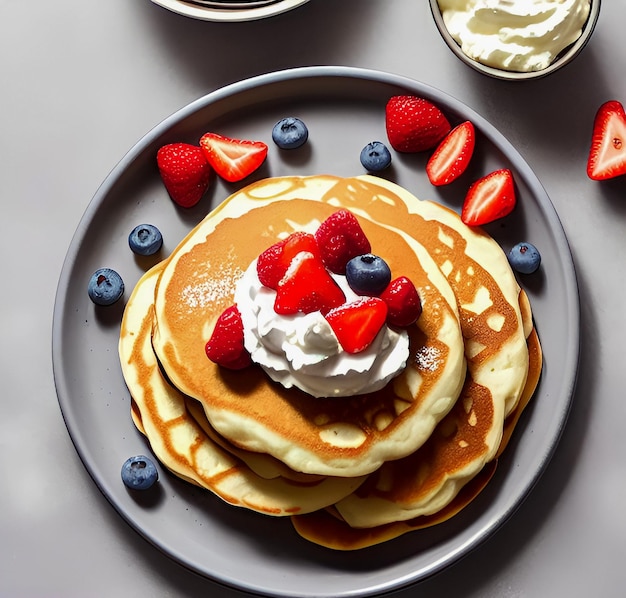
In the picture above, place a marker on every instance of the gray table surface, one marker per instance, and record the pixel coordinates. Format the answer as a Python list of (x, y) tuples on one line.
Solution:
[(83, 81)]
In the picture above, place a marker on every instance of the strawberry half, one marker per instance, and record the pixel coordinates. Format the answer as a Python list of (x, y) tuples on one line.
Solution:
[(489, 198), (272, 264), (307, 287), (356, 324), (340, 238), (414, 124), (185, 172), (607, 156), (452, 155), (403, 302), (233, 159), (225, 347)]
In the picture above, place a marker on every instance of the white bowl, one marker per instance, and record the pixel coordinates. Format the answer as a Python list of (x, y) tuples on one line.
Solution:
[(211, 13), (564, 58)]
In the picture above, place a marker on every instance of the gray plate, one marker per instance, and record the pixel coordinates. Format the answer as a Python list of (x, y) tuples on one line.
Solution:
[(344, 109)]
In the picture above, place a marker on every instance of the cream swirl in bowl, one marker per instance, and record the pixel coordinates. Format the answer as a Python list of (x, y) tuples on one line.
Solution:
[(301, 350), (516, 39)]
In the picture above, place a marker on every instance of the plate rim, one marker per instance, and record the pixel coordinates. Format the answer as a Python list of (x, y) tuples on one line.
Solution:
[(523, 169)]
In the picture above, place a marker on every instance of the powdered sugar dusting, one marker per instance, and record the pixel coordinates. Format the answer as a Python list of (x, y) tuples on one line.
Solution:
[(215, 288), (429, 358)]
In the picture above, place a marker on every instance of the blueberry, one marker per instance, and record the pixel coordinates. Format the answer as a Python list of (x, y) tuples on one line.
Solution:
[(105, 286), (524, 258), (145, 239), (139, 473), (368, 274), (290, 133), (375, 156)]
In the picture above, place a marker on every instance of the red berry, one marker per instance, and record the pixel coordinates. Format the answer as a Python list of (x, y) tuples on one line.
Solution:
[(414, 124), (403, 302), (225, 347), (307, 287), (272, 264), (607, 155), (185, 172), (452, 156), (340, 238), (356, 324), (233, 159), (490, 198)]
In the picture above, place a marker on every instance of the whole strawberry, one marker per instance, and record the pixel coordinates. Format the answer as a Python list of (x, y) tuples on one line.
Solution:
[(403, 302), (414, 124), (340, 238), (225, 347), (185, 172)]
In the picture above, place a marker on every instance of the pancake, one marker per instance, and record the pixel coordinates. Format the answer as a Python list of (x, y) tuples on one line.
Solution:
[(182, 445), (262, 464), (428, 480), (535, 364), (329, 529), (350, 471), (348, 436)]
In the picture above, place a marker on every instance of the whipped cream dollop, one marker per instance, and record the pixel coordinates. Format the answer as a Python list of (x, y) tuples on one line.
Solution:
[(302, 350), (515, 35)]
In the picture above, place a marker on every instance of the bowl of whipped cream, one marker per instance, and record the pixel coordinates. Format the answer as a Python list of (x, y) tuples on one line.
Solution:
[(516, 39)]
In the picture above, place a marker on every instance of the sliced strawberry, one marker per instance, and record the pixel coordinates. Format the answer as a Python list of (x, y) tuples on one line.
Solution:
[(414, 124), (357, 323), (340, 238), (225, 347), (452, 155), (307, 287), (607, 156), (489, 198), (403, 302), (185, 172), (272, 264), (233, 159)]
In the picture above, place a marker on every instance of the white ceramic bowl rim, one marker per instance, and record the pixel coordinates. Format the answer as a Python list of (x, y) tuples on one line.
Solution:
[(206, 13)]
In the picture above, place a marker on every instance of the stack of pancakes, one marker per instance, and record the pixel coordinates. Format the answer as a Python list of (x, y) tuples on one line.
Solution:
[(351, 471)]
